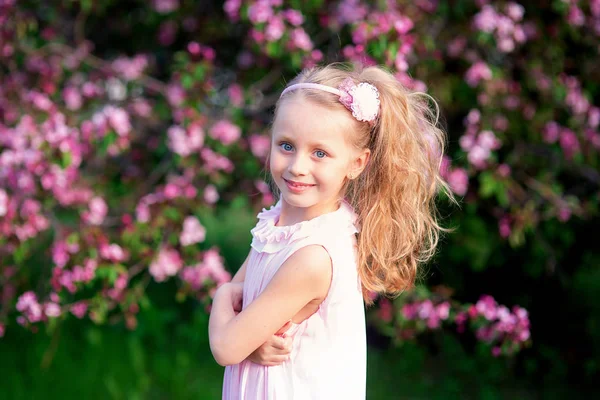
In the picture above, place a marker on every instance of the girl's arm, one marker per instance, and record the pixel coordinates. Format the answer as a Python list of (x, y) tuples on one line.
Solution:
[(305, 276)]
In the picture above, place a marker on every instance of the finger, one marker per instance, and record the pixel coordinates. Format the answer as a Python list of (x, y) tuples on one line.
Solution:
[(276, 360), (279, 342)]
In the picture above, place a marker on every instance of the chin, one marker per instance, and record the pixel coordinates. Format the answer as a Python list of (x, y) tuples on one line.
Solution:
[(299, 201)]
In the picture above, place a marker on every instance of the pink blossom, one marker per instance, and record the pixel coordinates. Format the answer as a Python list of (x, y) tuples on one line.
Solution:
[(456, 46), (215, 161), (569, 142), (236, 95), (225, 131), (79, 309), (72, 97), (141, 107), (515, 11), (478, 72), (167, 263), (171, 191), (503, 170), (118, 119), (210, 194), (232, 9), (403, 24), (259, 145), (551, 132), (185, 142), (350, 11), (3, 202), (478, 155), (52, 310), (443, 310), (214, 264), (473, 117), (458, 181), (564, 214), (594, 116), (487, 307), (488, 140), (576, 17), (113, 252), (386, 311), (193, 231), (275, 29), (130, 68), (97, 212), (165, 6), (2, 330), (467, 141), (299, 39), (260, 12), (486, 19), (504, 227), (175, 95), (409, 311), (294, 17)]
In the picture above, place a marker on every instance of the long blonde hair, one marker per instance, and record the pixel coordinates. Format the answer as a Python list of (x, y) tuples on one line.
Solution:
[(394, 197)]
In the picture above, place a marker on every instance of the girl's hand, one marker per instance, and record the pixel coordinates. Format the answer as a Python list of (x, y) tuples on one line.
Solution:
[(236, 290), (274, 351)]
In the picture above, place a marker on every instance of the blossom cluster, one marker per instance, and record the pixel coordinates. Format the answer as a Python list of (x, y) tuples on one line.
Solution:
[(505, 331)]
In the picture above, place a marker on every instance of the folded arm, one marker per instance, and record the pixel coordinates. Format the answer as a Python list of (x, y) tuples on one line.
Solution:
[(303, 277)]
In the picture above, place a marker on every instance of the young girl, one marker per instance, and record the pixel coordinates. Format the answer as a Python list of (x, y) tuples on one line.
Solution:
[(356, 159)]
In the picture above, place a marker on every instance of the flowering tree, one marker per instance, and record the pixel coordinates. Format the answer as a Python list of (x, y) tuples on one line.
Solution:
[(121, 126)]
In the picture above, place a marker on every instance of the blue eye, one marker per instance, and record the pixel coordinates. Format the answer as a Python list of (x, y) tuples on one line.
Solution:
[(320, 154), (286, 146)]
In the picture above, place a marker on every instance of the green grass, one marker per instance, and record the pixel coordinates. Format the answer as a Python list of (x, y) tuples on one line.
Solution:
[(168, 357)]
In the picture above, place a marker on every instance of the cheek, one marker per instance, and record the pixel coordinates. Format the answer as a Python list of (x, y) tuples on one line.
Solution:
[(276, 162)]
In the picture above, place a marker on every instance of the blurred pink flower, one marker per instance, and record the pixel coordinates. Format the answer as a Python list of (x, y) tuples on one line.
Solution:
[(458, 181), (72, 97), (97, 212), (232, 9), (260, 12), (79, 309), (210, 194), (193, 231), (165, 6), (167, 263), (175, 95), (236, 94), (259, 145), (294, 17), (226, 132), (477, 72), (275, 29), (130, 68), (299, 39)]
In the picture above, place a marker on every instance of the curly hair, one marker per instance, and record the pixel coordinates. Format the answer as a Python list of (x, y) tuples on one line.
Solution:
[(394, 197)]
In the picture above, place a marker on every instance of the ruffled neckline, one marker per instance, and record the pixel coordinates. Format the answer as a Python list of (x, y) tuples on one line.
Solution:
[(269, 238)]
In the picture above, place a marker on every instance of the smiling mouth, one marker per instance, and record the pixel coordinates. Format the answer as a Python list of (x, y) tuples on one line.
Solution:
[(298, 184)]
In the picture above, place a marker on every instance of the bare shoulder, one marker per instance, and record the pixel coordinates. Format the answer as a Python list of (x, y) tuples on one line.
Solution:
[(308, 267)]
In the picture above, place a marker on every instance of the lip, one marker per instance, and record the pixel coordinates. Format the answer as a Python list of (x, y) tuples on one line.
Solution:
[(297, 187)]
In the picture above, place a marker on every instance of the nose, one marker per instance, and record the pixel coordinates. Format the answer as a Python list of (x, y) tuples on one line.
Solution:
[(298, 165)]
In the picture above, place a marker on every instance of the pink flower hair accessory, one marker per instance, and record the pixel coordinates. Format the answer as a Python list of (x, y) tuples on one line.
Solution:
[(362, 99)]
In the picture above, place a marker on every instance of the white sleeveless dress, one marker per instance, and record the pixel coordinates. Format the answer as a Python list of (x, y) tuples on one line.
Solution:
[(328, 359)]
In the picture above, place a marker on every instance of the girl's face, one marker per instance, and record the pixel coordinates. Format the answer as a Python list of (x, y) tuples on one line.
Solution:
[(311, 155)]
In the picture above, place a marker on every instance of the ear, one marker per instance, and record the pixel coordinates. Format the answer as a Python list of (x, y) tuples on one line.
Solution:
[(359, 163)]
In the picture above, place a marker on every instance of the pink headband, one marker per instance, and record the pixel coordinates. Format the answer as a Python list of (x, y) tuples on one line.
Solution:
[(361, 99)]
